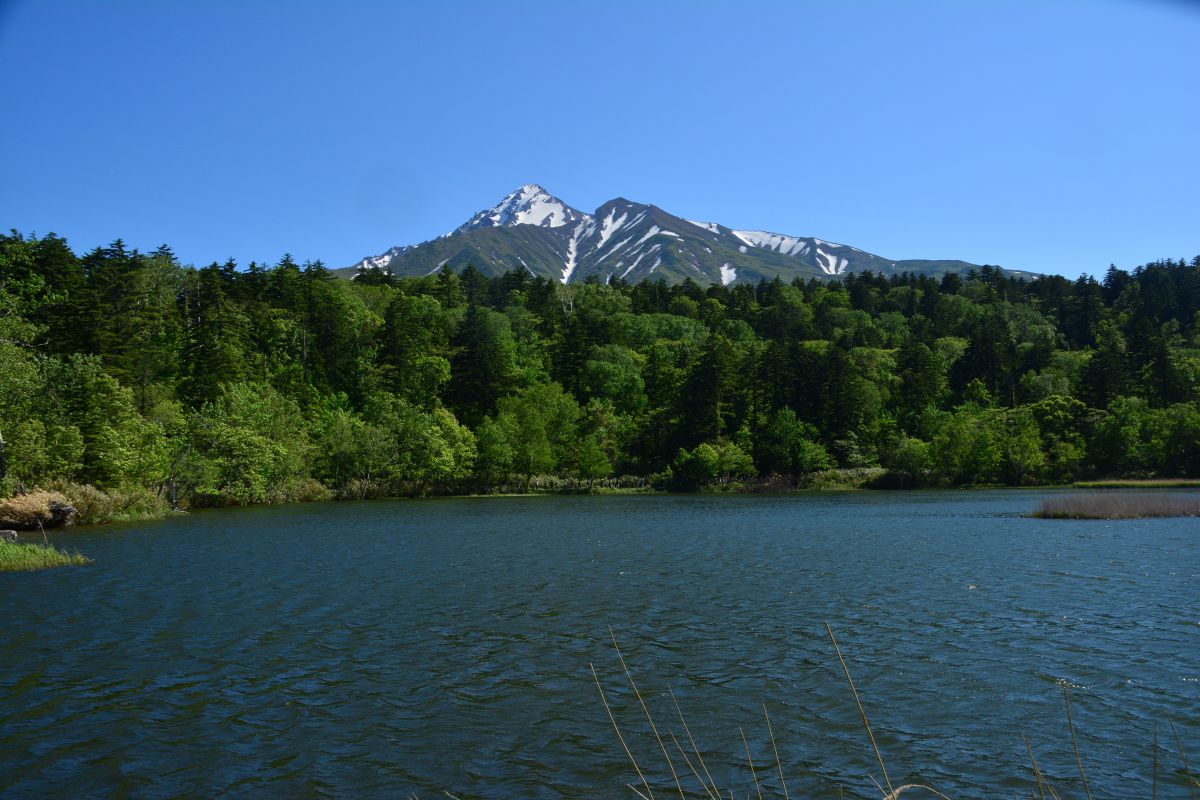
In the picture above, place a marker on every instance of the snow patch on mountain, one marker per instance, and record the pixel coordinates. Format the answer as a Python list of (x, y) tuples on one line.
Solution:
[(615, 248), (728, 274), (529, 205), (780, 243), (572, 252), (654, 229), (633, 266), (609, 226), (830, 263), (381, 261)]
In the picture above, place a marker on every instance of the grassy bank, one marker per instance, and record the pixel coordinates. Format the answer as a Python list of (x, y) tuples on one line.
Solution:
[(1143, 483), (1121, 505), (22, 557)]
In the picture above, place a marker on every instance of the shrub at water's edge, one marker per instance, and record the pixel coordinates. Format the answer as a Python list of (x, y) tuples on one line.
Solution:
[(21, 557), (65, 503), (1123, 505), (36, 509), (123, 504)]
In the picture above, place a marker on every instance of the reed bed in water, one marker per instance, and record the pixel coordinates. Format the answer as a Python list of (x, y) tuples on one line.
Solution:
[(22, 557), (1119, 505), (688, 770), (1140, 483)]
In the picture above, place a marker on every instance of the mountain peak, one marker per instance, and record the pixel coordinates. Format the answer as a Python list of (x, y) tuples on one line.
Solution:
[(527, 205), (623, 240)]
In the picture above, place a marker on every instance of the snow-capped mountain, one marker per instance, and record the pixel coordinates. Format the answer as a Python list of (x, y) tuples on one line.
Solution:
[(531, 229), (382, 260), (529, 205)]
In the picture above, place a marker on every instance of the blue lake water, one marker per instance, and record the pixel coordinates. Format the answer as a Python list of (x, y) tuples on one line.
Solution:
[(382, 649)]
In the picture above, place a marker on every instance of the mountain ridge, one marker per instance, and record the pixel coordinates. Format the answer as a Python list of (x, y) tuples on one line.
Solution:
[(625, 240)]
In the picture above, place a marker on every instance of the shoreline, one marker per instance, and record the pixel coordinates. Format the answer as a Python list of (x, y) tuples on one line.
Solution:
[(824, 486)]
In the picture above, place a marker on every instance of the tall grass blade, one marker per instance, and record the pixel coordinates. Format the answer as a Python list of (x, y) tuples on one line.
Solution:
[(692, 741), (778, 762), (861, 711), (691, 766), (1037, 773), (753, 776), (1075, 744), (1154, 784), (621, 738), (646, 711), (1186, 770)]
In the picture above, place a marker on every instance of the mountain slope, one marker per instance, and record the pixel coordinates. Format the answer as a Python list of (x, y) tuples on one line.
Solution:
[(531, 229)]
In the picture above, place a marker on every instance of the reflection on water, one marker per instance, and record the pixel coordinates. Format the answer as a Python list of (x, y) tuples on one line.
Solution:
[(377, 649)]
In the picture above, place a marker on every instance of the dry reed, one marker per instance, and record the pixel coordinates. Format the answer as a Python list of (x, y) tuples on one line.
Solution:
[(1192, 783), (1075, 745), (1119, 505), (26, 511), (707, 784), (1042, 786), (1140, 483)]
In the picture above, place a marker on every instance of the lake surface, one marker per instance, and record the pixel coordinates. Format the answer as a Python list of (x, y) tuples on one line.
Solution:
[(378, 649)]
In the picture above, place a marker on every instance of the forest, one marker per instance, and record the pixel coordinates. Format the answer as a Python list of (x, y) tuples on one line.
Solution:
[(130, 375)]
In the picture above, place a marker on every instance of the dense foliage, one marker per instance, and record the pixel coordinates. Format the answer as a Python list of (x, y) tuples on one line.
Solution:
[(125, 370)]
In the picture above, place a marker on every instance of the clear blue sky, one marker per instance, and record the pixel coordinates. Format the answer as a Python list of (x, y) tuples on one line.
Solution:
[(1052, 135)]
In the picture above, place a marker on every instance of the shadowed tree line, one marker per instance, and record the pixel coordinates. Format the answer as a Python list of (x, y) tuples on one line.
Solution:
[(131, 371)]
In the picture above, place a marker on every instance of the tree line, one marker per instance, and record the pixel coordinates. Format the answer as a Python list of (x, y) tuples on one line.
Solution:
[(131, 371)]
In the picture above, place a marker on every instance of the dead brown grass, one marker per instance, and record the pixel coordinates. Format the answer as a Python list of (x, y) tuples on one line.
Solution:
[(24, 512)]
